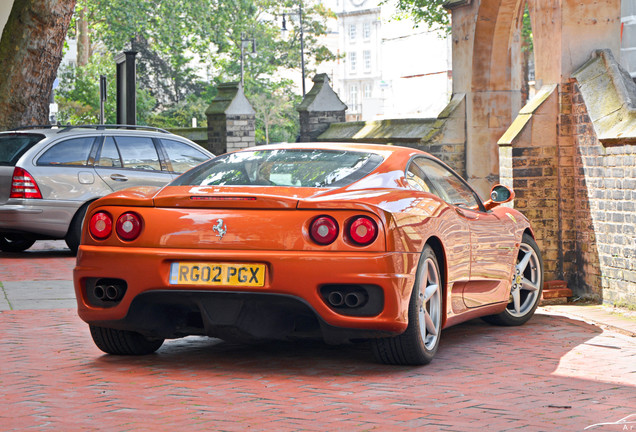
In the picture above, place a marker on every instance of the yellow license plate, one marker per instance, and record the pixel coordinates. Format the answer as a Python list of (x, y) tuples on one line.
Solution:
[(222, 274)]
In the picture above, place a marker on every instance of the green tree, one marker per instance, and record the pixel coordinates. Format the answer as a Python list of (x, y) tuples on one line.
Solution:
[(187, 47), (78, 93), (275, 114), (172, 36), (429, 12), (30, 53)]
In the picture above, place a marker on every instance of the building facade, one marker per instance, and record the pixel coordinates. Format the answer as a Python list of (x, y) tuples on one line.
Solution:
[(386, 67)]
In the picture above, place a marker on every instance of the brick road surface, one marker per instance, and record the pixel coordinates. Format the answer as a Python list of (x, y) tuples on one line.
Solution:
[(554, 374)]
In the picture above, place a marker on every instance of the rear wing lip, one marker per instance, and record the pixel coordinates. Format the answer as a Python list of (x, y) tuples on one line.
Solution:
[(233, 201)]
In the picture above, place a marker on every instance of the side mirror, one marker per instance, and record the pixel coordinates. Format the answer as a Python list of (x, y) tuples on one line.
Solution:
[(499, 194)]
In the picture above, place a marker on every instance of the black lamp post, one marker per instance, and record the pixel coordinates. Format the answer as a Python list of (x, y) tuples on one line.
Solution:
[(246, 41), (302, 41)]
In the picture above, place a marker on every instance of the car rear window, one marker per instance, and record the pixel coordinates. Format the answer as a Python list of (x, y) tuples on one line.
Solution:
[(182, 156), (14, 145), (138, 153), (72, 152), (283, 167)]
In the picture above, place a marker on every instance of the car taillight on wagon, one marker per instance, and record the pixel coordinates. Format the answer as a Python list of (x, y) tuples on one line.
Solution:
[(128, 226), (23, 185), (324, 230), (363, 230), (100, 225)]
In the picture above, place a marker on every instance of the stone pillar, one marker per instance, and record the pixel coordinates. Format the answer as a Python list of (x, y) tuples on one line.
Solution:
[(538, 152), (320, 107), (485, 37), (231, 120)]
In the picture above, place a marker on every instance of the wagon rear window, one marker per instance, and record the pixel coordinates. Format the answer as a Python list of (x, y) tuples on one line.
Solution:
[(283, 167), (14, 145)]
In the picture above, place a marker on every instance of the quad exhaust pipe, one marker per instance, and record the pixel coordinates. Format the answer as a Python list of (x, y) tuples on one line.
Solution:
[(109, 292), (347, 298), (336, 298), (353, 299)]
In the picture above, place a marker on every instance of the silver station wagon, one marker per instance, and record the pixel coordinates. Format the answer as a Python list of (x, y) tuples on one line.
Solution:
[(49, 176)]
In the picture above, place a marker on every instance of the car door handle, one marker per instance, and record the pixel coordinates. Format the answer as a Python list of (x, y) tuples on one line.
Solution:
[(119, 177), (466, 214)]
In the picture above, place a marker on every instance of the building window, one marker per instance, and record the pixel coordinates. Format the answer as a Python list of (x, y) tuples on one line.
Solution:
[(353, 97), (367, 91), (352, 61), (366, 30), (352, 31), (367, 60)]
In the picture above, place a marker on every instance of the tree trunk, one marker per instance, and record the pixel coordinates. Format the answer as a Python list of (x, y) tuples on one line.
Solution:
[(30, 54), (83, 41)]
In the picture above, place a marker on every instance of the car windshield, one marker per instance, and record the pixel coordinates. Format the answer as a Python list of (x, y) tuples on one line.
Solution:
[(283, 167), (14, 145)]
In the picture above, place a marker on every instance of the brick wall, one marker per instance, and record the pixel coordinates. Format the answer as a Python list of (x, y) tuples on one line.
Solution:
[(314, 123), (567, 205), (579, 195), (529, 166), (217, 134), (240, 131), (605, 209), (230, 132)]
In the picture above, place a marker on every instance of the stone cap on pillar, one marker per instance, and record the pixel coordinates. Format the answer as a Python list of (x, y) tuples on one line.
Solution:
[(230, 100), (321, 97), (451, 4)]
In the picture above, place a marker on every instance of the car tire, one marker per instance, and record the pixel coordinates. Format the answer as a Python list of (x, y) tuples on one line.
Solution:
[(419, 343), (74, 234), (15, 243), (526, 287), (123, 342)]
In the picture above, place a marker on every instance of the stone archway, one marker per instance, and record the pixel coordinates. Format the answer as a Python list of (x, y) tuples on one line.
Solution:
[(486, 37), (493, 88), (533, 148)]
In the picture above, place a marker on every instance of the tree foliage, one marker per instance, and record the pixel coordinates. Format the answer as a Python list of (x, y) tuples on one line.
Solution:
[(78, 93), (30, 53), (275, 114), (187, 47), (428, 12)]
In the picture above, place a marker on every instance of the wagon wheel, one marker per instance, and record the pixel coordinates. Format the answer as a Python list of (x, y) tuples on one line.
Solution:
[(15, 243)]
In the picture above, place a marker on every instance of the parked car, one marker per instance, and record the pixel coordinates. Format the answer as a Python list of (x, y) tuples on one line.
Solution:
[(346, 242), (49, 176)]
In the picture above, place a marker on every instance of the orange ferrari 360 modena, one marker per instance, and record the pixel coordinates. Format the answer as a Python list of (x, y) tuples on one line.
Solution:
[(344, 242)]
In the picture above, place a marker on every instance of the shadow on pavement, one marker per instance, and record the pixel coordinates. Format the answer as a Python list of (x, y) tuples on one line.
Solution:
[(536, 347), (28, 254)]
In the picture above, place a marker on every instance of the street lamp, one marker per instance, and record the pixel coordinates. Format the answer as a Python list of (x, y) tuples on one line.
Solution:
[(246, 42), (302, 42)]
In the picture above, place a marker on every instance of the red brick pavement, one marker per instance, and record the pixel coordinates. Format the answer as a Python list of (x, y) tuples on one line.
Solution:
[(552, 374), (53, 263)]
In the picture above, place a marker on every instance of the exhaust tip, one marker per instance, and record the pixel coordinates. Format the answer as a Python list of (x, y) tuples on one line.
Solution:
[(112, 292), (105, 292), (99, 292), (353, 299), (336, 298)]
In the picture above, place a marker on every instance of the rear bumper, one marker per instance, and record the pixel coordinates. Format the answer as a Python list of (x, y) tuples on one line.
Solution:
[(39, 217), (292, 276)]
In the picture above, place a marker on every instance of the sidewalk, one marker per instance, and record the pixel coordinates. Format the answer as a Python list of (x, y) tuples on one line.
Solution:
[(617, 319)]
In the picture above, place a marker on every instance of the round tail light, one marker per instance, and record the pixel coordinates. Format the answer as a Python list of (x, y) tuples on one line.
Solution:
[(324, 230), (100, 225), (363, 230), (128, 226)]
